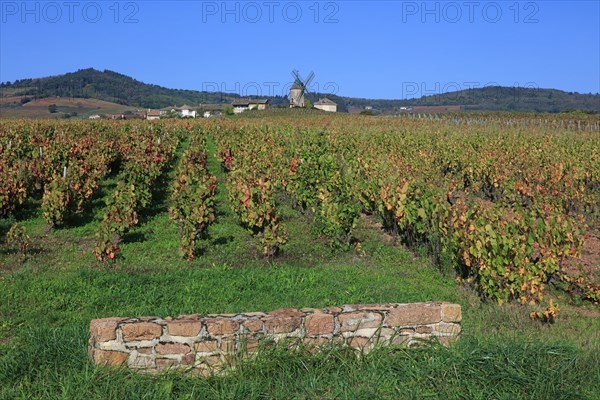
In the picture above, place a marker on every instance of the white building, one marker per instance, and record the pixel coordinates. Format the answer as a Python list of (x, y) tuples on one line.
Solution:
[(326, 105), (185, 113)]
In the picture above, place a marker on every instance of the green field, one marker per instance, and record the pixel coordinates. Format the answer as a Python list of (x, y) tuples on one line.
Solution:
[(48, 299)]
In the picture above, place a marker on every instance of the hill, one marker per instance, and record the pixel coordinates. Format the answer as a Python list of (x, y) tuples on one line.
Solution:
[(495, 98), (123, 90), (111, 87), (11, 107)]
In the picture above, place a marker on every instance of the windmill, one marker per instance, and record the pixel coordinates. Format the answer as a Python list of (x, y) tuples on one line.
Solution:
[(298, 89)]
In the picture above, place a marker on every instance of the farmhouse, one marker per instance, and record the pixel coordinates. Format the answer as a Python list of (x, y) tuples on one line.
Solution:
[(189, 113), (186, 113), (241, 105), (152, 114), (183, 112), (95, 116), (259, 104), (211, 110), (326, 105)]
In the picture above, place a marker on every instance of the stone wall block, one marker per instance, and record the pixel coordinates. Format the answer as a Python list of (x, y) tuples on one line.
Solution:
[(110, 358), (113, 345), (286, 320), (187, 328), (253, 326), (104, 329), (319, 324), (141, 361), (221, 326), (351, 321), (414, 314), (207, 346), (451, 312), (141, 331)]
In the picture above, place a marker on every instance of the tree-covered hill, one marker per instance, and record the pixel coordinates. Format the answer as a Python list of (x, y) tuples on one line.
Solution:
[(491, 98), (110, 86)]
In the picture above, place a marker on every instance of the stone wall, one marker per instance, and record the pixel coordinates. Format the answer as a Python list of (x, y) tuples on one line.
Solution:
[(209, 343)]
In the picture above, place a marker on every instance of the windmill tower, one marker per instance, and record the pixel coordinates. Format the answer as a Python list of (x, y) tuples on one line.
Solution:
[(299, 88)]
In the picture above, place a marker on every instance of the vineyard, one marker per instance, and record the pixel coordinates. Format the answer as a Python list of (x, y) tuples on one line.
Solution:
[(506, 207), (511, 208)]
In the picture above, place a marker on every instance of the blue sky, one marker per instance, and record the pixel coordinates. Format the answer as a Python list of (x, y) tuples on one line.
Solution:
[(377, 49)]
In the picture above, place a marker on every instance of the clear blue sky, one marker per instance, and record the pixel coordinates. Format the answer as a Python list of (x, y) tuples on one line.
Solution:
[(381, 49)]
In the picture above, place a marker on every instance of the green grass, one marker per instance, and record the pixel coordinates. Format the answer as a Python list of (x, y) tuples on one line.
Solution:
[(53, 364), (47, 301)]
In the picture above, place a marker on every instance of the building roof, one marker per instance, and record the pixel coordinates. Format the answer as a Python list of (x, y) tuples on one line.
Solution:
[(259, 101), (325, 102), (153, 113), (241, 102), (247, 102)]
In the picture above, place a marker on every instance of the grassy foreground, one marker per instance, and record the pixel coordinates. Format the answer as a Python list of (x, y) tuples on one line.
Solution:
[(47, 301)]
